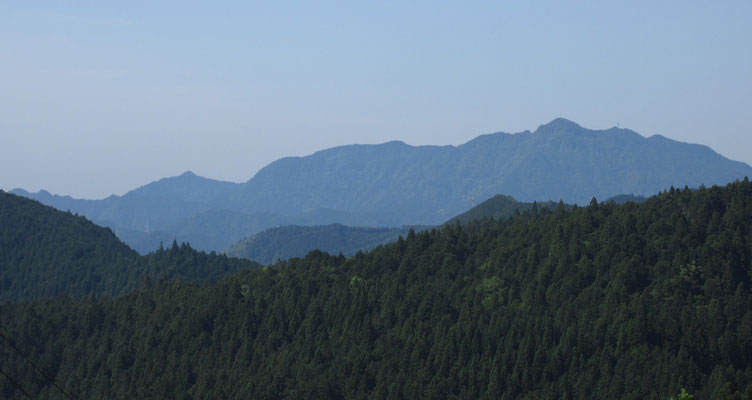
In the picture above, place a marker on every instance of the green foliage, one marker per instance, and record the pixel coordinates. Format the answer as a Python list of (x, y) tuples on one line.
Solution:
[(296, 241), (632, 301), (683, 395), (45, 252), (497, 207)]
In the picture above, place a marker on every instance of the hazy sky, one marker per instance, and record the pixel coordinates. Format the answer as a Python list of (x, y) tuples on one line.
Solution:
[(97, 98)]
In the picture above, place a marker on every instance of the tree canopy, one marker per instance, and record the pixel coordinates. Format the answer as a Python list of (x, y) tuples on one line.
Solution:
[(632, 301)]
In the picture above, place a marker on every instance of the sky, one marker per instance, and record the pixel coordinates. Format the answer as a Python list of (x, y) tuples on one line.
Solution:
[(98, 98)]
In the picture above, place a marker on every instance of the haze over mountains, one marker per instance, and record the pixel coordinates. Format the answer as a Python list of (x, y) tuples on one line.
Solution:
[(627, 298), (395, 184), (290, 241)]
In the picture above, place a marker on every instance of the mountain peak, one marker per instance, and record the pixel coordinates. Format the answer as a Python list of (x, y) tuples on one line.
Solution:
[(187, 174), (395, 143), (559, 124)]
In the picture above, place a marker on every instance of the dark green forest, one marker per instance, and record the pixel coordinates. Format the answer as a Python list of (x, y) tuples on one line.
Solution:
[(627, 301), (45, 252)]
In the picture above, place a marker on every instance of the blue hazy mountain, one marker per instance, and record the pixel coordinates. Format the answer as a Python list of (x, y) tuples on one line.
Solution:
[(429, 184), (395, 184), (624, 198), (218, 229), (296, 241), (153, 207)]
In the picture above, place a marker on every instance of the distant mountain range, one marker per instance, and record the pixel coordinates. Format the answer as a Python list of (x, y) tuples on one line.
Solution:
[(395, 184)]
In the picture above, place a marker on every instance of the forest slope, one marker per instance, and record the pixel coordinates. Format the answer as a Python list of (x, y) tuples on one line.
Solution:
[(297, 241), (45, 252), (632, 301)]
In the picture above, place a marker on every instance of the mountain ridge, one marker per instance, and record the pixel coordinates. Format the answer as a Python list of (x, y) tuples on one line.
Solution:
[(395, 184)]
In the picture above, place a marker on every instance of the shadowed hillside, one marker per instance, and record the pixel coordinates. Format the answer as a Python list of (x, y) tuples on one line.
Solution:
[(631, 301), (45, 252)]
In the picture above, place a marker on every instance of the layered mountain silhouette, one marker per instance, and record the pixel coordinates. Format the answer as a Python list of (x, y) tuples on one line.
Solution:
[(45, 252), (290, 241), (630, 301), (285, 242), (395, 184)]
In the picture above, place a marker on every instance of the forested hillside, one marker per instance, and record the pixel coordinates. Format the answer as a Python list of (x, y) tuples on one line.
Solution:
[(45, 252), (499, 206), (296, 241), (632, 301)]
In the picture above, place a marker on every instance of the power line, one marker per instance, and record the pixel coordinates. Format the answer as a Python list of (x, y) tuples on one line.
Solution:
[(16, 384), (52, 381)]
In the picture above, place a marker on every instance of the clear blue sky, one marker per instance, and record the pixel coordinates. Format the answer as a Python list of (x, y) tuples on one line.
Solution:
[(97, 98)]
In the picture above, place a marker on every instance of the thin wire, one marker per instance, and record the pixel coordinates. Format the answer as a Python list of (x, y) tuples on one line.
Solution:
[(52, 381), (16, 384)]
